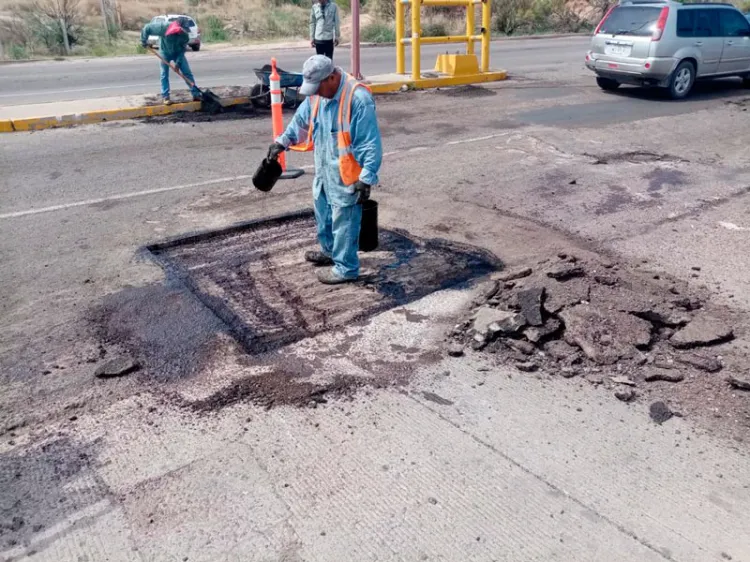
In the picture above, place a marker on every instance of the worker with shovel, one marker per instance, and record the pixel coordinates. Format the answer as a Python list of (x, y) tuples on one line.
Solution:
[(337, 120), (174, 37)]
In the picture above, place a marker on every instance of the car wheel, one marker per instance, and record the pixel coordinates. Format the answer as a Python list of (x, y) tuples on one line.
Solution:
[(196, 47), (682, 80), (607, 84)]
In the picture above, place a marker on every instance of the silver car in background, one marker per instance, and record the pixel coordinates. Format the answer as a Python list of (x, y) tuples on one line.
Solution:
[(669, 45)]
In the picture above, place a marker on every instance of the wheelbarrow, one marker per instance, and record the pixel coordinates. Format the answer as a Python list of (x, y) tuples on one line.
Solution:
[(291, 82)]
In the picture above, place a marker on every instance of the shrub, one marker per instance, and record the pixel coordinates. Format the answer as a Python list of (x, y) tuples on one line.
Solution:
[(434, 30), (378, 33), (212, 30), (18, 52), (287, 22)]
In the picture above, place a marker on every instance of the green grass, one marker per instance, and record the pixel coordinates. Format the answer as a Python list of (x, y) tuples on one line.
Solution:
[(287, 23), (212, 30), (378, 33)]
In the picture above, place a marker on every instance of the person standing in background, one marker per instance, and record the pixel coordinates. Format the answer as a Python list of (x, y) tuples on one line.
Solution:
[(325, 27)]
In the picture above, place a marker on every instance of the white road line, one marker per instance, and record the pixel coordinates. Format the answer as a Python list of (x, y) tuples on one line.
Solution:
[(64, 206), (119, 197)]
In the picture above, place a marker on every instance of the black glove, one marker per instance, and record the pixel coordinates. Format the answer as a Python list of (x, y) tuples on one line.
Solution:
[(144, 44), (364, 192), (274, 150)]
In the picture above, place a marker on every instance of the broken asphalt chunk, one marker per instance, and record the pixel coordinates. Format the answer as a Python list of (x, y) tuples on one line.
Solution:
[(625, 395), (519, 345), (530, 301), (701, 362), (117, 368), (604, 336), (564, 271), (527, 366), (739, 384), (664, 375), (513, 274), (702, 330), (537, 333), (660, 412), (455, 350), (492, 321)]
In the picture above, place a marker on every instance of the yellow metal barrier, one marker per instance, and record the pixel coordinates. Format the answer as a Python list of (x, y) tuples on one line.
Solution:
[(450, 69), (416, 40)]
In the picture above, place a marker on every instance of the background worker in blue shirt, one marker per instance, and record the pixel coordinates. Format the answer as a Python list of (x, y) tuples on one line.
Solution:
[(173, 39), (338, 117)]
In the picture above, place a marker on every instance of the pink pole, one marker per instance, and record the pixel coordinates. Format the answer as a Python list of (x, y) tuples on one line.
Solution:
[(355, 40)]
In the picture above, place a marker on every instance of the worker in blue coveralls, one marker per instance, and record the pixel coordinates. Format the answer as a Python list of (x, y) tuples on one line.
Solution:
[(337, 121), (173, 39)]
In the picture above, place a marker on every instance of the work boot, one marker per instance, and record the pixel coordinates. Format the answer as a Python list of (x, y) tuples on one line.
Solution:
[(328, 277), (167, 101), (318, 258)]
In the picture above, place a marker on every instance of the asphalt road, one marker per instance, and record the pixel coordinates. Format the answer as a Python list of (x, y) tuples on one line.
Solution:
[(467, 459), (41, 82)]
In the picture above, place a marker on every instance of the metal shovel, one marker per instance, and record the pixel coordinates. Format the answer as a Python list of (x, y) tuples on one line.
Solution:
[(210, 102)]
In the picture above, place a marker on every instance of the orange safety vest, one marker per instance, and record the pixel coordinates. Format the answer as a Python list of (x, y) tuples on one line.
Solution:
[(348, 165)]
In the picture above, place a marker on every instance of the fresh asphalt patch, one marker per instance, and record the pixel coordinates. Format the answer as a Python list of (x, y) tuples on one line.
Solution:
[(255, 278)]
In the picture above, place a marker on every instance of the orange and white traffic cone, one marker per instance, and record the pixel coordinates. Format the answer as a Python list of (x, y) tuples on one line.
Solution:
[(277, 118)]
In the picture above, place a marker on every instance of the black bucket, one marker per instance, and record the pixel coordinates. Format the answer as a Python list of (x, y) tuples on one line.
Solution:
[(368, 233), (266, 175)]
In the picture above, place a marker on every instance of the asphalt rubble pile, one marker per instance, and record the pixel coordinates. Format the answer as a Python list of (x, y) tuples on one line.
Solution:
[(593, 319)]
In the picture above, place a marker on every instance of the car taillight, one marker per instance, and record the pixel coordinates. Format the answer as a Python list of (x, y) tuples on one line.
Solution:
[(661, 23), (598, 27)]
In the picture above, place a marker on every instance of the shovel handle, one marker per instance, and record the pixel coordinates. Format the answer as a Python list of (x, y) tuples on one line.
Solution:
[(172, 66)]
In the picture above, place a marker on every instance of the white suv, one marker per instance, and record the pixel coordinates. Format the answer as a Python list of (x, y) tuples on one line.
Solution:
[(670, 45), (193, 30)]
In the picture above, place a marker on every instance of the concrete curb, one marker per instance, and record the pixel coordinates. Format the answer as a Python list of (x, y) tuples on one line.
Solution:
[(93, 117)]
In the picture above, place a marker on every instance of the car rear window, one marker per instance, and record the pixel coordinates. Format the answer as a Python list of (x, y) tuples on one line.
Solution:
[(631, 20)]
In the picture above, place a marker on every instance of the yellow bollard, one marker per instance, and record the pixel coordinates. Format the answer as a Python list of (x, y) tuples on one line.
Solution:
[(486, 24), (400, 47), (416, 33), (470, 29)]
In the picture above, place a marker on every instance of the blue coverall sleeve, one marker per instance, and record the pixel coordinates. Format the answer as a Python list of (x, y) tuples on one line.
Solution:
[(158, 29), (296, 132), (366, 143)]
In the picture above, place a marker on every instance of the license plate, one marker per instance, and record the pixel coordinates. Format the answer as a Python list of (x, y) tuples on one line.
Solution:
[(618, 50)]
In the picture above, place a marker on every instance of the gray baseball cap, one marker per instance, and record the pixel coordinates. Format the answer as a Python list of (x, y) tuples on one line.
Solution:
[(316, 69)]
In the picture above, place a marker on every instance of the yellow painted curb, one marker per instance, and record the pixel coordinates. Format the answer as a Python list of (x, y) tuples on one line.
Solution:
[(41, 123), (437, 82)]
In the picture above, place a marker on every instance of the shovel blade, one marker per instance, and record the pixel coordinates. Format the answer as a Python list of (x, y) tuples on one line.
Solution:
[(211, 103)]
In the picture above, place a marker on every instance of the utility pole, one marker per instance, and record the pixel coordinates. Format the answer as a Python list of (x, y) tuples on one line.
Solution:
[(354, 55)]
